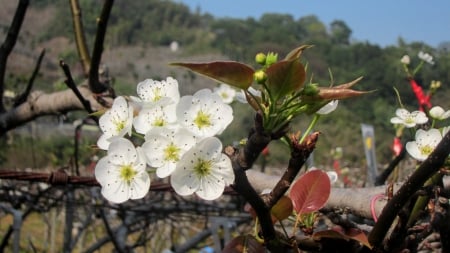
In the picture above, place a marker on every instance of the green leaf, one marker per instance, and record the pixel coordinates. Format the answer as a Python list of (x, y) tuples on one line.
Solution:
[(310, 192), (285, 77), (229, 72)]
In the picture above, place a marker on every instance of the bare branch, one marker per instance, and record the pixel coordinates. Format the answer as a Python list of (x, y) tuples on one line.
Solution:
[(80, 39), (94, 83), (23, 97), (9, 43), (71, 84)]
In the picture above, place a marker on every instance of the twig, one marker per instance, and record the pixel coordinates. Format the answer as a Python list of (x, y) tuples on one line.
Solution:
[(102, 23), (71, 84), (24, 96), (385, 174), (9, 43)]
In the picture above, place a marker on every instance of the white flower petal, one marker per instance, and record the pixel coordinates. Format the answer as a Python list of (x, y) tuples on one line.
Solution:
[(326, 109), (122, 151)]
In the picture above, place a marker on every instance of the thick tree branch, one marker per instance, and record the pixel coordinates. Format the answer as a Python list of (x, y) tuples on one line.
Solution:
[(8, 45), (102, 23), (40, 104)]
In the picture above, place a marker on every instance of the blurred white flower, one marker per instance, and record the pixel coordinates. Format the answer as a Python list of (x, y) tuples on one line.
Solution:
[(122, 172), (326, 109), (425, 57), (405, 59), (424, 144), (240, 96), (226, 92), (164, 147), (439, 113), (204, 113), (409, 119), (332, 175), (117, 121), (203, 170)]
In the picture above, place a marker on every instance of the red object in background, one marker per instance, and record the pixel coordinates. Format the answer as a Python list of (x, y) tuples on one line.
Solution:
[(397, 146), (265, 151), (424, 100)]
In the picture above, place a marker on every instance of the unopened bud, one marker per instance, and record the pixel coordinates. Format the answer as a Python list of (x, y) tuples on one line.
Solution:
[(260, 76), (260, 58), (271, 58)]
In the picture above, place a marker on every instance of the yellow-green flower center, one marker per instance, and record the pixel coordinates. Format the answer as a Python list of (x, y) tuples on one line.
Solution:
[(426, 150), (158, 95), (159, 122), (171, 153), (127, 173), (409, 120), (203, 167), (202, 120), (120, 125)]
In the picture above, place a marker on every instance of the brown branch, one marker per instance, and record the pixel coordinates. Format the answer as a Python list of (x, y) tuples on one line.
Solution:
[(102, 23), (298, 158), (8, 45), (425, 171), (80, 39), (40, 104), (71, 84), (23, 97)]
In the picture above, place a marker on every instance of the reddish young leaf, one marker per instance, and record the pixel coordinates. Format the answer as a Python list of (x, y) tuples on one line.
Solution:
[(244, 243), (285, 77), (350, 234), (310, 192), (229, 72), (296, 52)]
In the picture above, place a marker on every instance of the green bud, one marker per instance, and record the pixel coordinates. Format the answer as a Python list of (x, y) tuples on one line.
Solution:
[(311, 89), (260, 76), (271, 58), (260, 58)]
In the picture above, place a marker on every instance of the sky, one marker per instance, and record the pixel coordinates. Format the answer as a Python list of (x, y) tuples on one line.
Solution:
[(379, 22)]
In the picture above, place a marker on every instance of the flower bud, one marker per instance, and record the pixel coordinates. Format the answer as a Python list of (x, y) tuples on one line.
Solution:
[(271, 58), (311, 89), (260, 58), (260, 76)]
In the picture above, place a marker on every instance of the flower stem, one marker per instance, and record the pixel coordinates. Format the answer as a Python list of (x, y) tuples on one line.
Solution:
[(310, 127)]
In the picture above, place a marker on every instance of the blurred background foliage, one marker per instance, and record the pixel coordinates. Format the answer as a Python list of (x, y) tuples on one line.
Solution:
[(137, 47)]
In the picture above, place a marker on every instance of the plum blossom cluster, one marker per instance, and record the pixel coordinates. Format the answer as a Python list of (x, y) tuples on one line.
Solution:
[(425, 141), (179, 141)]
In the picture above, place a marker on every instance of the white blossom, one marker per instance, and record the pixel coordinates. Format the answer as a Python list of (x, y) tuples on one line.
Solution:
[(326, 109), (153, 92), (122, 172), (426, 57), (203, 170), (204, 113), (408, 119), (155, 116), (240, 96), (424, 143), (117, 121), (405, 59), (164, 147), (439, 113), (226, 92)]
